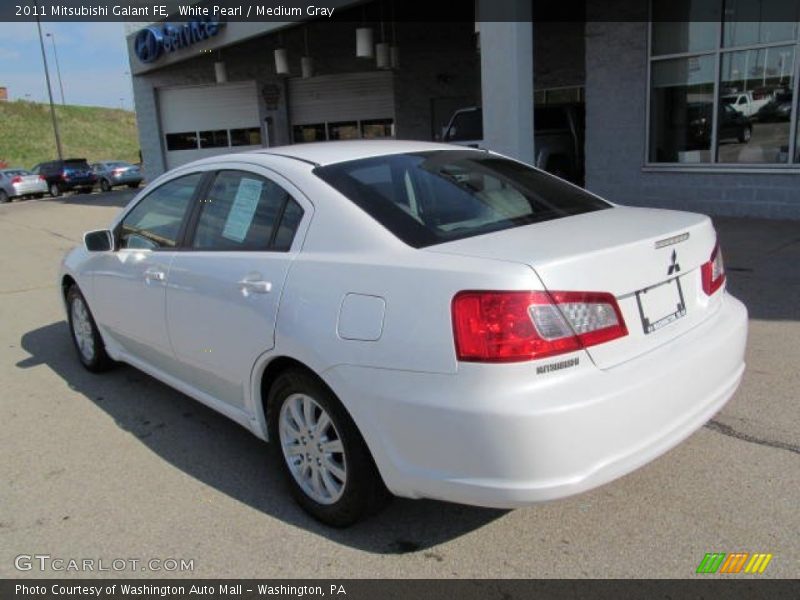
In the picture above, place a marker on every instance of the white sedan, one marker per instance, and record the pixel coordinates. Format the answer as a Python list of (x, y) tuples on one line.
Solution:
[(416, 319)]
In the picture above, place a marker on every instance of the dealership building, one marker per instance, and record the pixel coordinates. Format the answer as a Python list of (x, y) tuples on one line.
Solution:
[(688, 104)]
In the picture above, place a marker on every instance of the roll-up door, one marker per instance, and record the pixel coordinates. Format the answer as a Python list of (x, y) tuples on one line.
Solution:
[(344, 106), (207, 120)]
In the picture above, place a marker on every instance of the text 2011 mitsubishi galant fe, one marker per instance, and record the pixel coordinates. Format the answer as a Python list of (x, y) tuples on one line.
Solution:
[(415, 319)]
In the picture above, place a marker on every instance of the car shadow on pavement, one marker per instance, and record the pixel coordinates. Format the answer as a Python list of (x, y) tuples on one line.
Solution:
[(223, 455)]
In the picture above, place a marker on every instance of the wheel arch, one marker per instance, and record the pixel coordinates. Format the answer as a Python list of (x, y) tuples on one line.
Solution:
[(67, 281), (266, 376)]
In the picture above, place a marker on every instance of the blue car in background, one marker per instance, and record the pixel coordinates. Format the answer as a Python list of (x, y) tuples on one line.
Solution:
[(116, 172), (65, 175)]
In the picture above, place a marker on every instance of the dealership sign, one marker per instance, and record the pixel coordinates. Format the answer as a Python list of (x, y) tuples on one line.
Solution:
[(154, 41)]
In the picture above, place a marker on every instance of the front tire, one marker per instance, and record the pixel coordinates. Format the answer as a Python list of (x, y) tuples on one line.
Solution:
[(84, 333), (745, 134), (323, 457)]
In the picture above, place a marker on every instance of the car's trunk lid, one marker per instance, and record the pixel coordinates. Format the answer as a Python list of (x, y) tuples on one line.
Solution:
[(620, 250)]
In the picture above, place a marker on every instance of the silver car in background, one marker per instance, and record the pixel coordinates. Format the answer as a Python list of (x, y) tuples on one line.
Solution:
[(17, 183), (113, 173)]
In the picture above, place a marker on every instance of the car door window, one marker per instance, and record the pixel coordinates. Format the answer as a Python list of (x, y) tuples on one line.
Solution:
[(244, 211), (155, 222)]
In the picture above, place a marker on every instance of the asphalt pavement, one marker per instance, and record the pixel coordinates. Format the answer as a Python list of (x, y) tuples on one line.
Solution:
[(122, 467)]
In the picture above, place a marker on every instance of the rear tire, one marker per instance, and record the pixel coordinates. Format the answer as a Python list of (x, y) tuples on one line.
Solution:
[(4, 197), (324, 459), (105, 185), (84, 333), (55, 190)]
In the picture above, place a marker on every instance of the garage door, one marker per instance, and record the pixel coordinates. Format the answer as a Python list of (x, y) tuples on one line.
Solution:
[(336, 107), (208, 120)]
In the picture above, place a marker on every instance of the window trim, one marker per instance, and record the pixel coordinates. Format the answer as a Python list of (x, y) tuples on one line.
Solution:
[(197, 209), (792, 166), (199, 190)]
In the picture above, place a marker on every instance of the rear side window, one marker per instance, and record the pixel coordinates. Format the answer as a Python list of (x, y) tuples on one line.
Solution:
[(155, 222), (243, 211), (429, 198)]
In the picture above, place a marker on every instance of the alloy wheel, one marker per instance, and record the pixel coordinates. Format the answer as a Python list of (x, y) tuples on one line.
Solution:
[(312, 448)]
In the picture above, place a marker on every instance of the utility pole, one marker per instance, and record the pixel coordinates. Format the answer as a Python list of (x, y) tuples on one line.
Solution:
[(52, 37), (49, 90)]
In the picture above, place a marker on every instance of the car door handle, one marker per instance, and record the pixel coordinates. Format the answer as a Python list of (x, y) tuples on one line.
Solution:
[(255, 286), (154, 275)]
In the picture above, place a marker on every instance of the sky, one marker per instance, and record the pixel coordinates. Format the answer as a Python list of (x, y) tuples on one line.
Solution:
[(92, 57)]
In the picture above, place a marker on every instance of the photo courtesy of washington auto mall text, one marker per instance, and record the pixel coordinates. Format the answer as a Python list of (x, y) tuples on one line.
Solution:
[(178, 590)]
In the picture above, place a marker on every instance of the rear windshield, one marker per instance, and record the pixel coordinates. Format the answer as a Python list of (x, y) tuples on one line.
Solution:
[(428, 198), (76, 163)]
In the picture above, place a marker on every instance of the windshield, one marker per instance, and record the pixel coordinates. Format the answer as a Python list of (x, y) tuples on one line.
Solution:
[(429, 198)]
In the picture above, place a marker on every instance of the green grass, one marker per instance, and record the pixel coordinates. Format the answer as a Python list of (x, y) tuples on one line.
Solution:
[(90, 132)]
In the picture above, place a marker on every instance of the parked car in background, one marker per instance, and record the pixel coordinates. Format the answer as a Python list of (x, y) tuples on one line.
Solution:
[(558, 137), (18, 183), (777, 109), (733, 124), (112, 173), (561, 341), (66, 175)]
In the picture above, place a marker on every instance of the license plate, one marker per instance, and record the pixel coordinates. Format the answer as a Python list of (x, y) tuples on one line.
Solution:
[(661, 305)]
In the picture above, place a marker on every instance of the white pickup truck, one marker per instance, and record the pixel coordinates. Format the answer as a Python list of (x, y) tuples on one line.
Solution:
[(558, 137), (746, 103)]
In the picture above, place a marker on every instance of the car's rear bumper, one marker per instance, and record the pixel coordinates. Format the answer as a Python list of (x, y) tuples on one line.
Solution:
[(503, 436), (125, 179), (28, 189)]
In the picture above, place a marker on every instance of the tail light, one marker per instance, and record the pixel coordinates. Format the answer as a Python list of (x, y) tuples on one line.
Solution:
[(713, 272), (118, 172), (42, 178), (517, 326), (64, 176), (16, 179)]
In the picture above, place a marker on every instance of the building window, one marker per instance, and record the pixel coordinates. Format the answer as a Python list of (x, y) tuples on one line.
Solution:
[(214, 139), (249, 136), (309, 133), (347, 130), (377, 128), (723, 85), (343, 131), (186, 140)]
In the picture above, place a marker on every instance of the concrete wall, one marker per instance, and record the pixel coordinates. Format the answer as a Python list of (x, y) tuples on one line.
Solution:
[(616, 92)]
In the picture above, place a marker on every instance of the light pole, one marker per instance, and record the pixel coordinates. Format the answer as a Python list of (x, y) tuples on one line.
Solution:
[(49, 90), (52, 37)]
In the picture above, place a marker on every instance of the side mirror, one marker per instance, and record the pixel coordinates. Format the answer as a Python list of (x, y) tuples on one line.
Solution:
[(101, 240)]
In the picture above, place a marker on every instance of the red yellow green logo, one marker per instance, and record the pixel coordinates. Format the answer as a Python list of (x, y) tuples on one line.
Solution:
[(735, 562)]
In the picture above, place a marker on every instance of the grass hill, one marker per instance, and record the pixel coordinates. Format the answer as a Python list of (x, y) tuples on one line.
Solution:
[(94, 133)]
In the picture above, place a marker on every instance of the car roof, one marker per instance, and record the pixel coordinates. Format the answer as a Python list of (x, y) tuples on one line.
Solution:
[(328, 153)]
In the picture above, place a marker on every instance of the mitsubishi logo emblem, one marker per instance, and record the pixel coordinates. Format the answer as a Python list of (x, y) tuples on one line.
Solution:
[(674, 267)]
